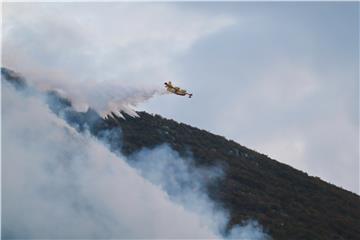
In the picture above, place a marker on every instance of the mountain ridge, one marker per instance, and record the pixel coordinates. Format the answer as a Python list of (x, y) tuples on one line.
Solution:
[(287, 202), (247, 173)]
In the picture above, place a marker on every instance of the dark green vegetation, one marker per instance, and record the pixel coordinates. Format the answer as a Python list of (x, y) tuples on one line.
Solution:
[(287, 202)]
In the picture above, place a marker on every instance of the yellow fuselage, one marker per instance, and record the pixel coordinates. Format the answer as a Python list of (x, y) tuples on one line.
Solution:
[(177, 91)]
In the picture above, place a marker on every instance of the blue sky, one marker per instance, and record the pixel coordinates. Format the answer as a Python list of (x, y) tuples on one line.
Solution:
[(280, 78)]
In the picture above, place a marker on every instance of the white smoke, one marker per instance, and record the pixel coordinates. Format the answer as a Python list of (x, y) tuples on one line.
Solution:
[(110, 56), (60, 184), (186, 185), (182, 180), (57, 183)]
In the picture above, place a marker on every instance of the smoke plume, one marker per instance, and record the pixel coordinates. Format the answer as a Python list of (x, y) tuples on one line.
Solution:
[(58, 183), (108, 56)]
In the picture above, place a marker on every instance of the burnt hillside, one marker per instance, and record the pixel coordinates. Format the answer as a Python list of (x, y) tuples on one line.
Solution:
[(287, 202)]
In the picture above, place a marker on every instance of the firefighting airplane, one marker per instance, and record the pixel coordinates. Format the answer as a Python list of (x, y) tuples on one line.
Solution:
[(176, 90)]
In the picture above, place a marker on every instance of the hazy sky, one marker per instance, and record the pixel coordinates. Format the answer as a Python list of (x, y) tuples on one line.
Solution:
[(283, 80), (280, 78)]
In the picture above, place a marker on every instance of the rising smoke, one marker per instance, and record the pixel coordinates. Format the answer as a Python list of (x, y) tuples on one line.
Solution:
[(59, 183), (108, 56)]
